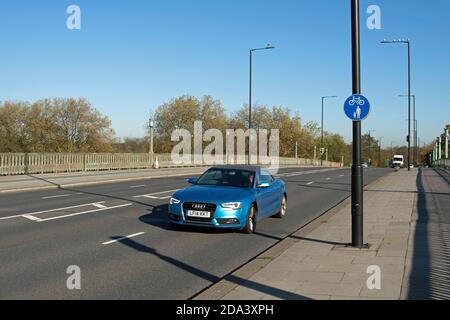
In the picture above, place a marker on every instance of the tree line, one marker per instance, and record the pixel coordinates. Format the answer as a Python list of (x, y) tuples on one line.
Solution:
[(181, 112), (74, 125)]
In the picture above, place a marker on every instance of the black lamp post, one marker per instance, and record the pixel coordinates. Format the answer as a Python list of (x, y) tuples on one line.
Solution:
[(322, 147), (408, 43), (415, 155), (268, 47)]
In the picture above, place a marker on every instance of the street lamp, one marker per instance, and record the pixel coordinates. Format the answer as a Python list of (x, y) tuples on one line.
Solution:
[(415, 156), (392, 149), (357, 170), (151, 125), (408, 43), (380, 146), (321, 140), (268, 47), (370, 145)]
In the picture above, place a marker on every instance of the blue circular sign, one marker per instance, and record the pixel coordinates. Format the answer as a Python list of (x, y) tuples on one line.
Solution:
[(357, 107)]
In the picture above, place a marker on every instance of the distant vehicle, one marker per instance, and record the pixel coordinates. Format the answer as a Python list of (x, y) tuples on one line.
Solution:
[(398, 161), (233, 197), (364, 165)]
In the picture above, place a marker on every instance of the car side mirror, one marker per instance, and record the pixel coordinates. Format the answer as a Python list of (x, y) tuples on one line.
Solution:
[(264, 185), (192, 180)]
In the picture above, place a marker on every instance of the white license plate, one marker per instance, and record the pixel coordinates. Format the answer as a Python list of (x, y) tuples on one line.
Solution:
[(199, 214)]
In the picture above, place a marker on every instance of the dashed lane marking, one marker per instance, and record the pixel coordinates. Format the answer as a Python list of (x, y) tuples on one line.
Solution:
[(98, 205)]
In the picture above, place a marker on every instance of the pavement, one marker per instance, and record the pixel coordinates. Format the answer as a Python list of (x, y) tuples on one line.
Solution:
[(119, 235), (428, 260), (406, 225)]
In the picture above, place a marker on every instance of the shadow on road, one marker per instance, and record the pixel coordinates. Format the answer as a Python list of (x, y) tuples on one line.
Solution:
[(159, 217), (279, 293)]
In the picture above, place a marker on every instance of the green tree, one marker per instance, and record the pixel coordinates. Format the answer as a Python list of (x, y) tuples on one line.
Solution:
[(58, 125), (181, 113), (12, 129)]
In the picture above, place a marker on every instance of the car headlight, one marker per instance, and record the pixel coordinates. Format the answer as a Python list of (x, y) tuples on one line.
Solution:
[(232, 205), (174, 201)]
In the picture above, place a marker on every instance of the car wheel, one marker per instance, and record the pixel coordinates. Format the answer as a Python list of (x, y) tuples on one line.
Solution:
[(250, 225), (283, 207)]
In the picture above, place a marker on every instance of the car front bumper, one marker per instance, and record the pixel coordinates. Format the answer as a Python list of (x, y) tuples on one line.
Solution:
[(221, 218)]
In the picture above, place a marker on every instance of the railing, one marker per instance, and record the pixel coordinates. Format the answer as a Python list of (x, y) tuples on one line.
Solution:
[(35, 163), (443, 163)]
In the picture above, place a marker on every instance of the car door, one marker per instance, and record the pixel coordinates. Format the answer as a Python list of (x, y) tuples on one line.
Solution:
[(268, 203)]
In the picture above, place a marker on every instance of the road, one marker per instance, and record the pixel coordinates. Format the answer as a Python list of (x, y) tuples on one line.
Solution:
[(120, 237)]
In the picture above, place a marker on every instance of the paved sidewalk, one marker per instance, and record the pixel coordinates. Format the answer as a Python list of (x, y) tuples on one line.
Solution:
[(428, 260), (318, 265)]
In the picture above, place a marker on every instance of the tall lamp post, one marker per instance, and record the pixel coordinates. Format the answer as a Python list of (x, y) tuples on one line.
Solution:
[(380, 146), (322, 148), (151, 152), (357, 171), (370, 146), (408, 43), (268, 47), (415, 155)]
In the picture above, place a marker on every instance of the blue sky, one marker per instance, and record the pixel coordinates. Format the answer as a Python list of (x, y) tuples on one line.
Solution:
[(131, 56)]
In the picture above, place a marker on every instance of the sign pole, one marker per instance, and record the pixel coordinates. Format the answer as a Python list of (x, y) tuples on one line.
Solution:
[(357, 172)]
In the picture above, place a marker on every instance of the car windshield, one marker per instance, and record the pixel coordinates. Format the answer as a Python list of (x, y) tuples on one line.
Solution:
[(227, 177), (398, 159)]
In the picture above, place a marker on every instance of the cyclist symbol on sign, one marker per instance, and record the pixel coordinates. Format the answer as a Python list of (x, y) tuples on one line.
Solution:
[(359, 102)]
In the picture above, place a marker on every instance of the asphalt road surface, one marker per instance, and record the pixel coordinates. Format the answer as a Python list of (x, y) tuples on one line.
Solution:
[(120, 238)]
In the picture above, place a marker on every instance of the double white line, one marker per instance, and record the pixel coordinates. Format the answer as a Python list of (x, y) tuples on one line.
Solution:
[(99, 205), (156, 195)]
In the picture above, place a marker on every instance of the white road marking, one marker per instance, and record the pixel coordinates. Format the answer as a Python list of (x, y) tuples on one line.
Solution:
[(301, 173), (155, 195), (342, 175), (53, 210), (123, 238), (310, 183), (32, 218), (60, 196), (99, 205), (328, 179), (134, 187), (85, 212)]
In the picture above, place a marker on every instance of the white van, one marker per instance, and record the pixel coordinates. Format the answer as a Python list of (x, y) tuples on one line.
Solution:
[(398, 161)]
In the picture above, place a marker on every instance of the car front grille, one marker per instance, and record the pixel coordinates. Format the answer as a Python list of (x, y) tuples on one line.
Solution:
[(199, 207)]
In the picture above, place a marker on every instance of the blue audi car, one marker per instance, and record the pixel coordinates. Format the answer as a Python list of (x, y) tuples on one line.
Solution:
[(231, 197)]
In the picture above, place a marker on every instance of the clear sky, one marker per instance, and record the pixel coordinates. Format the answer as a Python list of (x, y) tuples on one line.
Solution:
[(132, 55)]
